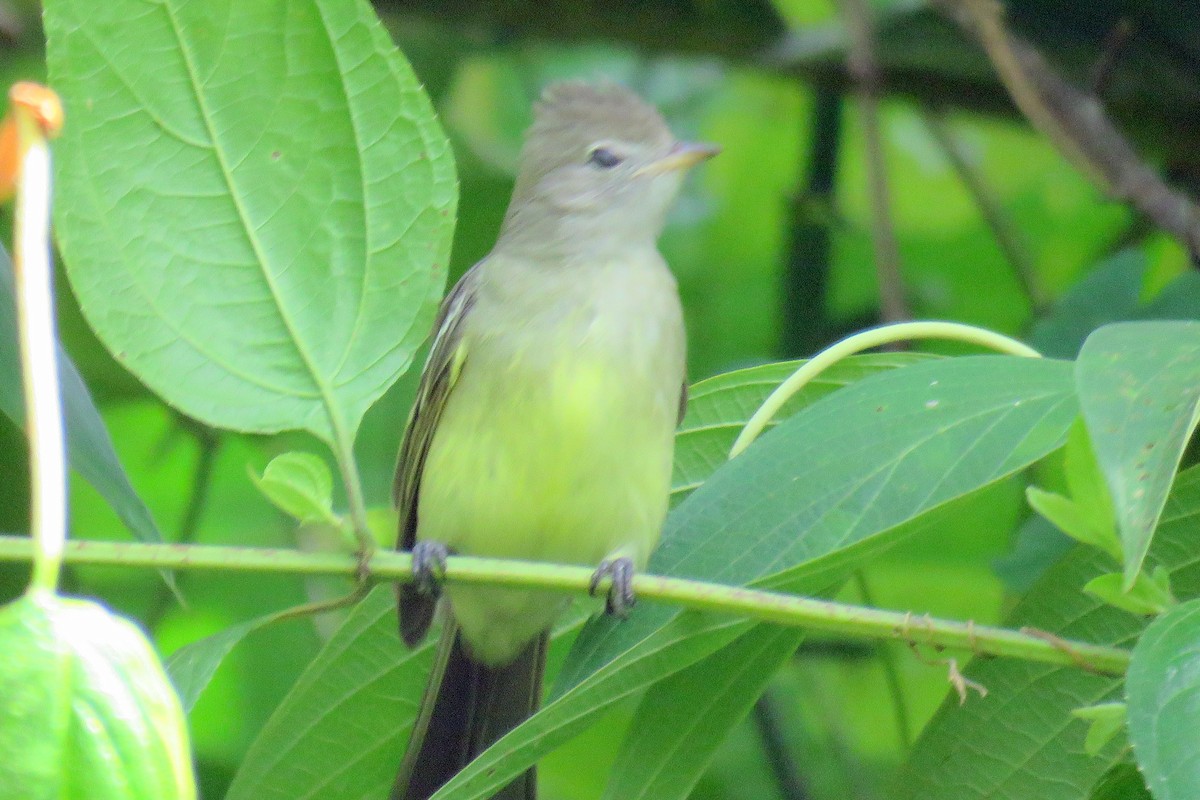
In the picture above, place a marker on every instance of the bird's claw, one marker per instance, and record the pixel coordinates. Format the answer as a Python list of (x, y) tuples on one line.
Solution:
[(429, 566), (620, 598)]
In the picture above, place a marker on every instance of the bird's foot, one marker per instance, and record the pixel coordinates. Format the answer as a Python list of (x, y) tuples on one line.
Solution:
[(429, 566), (620, 598)]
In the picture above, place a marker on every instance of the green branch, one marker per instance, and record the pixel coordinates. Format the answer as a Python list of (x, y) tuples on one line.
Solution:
[(775, 607)]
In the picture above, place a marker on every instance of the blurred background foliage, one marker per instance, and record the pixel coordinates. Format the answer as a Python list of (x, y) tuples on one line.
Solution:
[(772, 244)]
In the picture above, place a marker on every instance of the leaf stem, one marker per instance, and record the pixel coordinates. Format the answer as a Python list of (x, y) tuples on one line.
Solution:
[(776, 607), (343, 452), (865, 340), (35, 313)]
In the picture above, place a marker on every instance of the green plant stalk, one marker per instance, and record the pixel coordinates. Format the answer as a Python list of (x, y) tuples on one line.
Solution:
[(782, 609), (39, 359), (343, 453), (865, 340)]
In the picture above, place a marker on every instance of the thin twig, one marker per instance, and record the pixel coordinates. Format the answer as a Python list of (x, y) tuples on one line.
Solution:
[(210, 443), (1075, 121), (775, 744), (891, 670), (864, 67), (1008, 238)]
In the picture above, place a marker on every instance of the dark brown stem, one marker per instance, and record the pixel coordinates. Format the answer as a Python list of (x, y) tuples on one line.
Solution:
[(1076, 122)]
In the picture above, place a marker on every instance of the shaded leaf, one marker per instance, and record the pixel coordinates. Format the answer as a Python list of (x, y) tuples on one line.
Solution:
[(341, 730), (1163, 692), (89, 447), (686, 717), (262, 247), (1021, 741), (1139, 388), (1111, 292), (1037, 547), (87, 712), (1108, 292), (1122, 782), (191, 667)]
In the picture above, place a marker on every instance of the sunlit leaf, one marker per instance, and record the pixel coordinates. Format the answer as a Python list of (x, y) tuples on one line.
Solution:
[(88, 713), (299, 484), (1107, 720), (257, 227)]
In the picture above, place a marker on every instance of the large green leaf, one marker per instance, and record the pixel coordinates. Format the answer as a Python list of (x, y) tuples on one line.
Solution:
[(840, 480), (1163, 690), (685, 718), (341, 730), (89, 447), (1139, 389), (719, 407), (1021, 741), (257, 222), (88, 713)]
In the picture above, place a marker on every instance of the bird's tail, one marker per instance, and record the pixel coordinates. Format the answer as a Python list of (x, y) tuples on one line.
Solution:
[(468, 706)]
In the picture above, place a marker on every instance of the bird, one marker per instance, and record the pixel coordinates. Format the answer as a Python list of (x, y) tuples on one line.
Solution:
[(543, 426)]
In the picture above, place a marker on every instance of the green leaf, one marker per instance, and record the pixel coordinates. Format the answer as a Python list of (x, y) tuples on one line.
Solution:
[(261, 246), (89, 447), (838, 482), (1021, 741), (299, 484), (1149, 595), (191, 667), (1071, 518), (341, 730), (1163, 692), (1111, 292), (1108, 292), (1139, 387), (1086, 485), (719, 407), (1107, 720), (1037, 547), (1122, 782), (684, 718), (87, 712)]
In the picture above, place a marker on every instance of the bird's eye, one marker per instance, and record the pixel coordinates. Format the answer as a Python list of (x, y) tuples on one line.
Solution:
[(604, 158)]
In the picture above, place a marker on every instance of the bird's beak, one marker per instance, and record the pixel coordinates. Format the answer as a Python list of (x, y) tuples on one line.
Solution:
[(682, 156)]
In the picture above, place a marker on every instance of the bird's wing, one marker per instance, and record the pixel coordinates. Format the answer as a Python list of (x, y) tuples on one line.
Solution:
[(446, 357)]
